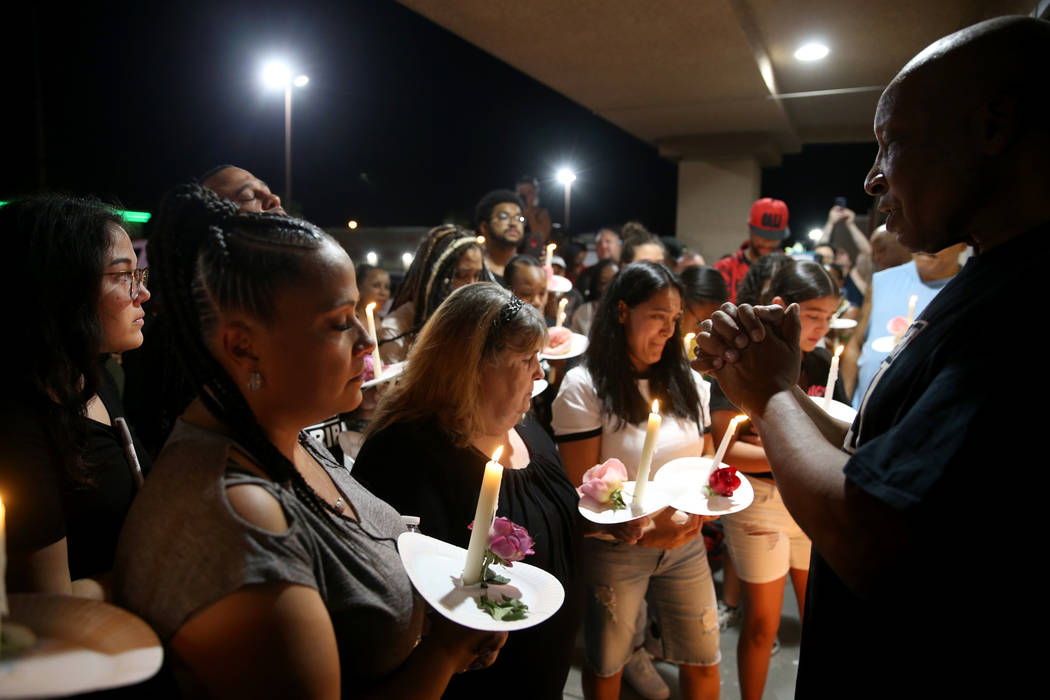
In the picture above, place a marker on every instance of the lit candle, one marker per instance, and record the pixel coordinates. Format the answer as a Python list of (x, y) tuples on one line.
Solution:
[(547, 268), (727, 438), (833, 376), (912, 301), (642, 478), (3, 563), (483, 515), (377, 362), (561, 311), (689, 337), (481, 240)]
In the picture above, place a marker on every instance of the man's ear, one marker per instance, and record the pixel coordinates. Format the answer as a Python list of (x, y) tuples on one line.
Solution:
[(483, 229), (1000, 117), (621, 311)]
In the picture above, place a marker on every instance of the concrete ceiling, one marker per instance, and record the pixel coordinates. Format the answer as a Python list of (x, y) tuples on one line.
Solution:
[(715, 78)]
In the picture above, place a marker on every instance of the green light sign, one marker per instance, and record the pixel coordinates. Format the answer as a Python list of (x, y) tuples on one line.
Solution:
[(133, 217)]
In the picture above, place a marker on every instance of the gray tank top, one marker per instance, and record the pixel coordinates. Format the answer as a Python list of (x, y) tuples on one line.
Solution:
[(183, 547)]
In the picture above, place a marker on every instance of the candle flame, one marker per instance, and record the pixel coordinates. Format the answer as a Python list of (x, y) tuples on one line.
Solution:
[(563, 303), (480, 240), (738, 420), (371, 307), (656, 406), (497, 454), (913, 299), (551, 248), (839, 349)]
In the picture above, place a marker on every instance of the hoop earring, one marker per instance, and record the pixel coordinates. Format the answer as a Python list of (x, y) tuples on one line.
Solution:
[(254, 381)]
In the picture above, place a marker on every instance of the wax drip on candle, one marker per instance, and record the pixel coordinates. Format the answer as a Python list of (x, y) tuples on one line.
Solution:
[(727, 438), (641, 481), (833, 375)]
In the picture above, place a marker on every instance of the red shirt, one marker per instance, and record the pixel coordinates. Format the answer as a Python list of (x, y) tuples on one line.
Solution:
[(734, 268)]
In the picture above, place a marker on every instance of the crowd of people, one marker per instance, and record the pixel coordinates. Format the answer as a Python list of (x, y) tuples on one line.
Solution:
[(193, 440)]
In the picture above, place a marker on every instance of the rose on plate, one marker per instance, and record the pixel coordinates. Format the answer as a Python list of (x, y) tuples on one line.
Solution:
[(508, 543), (603, 485), (723, 482)]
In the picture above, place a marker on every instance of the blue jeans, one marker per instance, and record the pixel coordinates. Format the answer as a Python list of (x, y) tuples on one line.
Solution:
[(681, 596)]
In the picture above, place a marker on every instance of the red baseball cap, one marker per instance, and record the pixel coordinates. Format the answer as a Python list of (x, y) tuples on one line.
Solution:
[(769, 219)]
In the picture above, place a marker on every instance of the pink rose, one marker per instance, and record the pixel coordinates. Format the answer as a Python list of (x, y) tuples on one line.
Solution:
[(602, 482), (509, 541), (724, 481), (369, 373)]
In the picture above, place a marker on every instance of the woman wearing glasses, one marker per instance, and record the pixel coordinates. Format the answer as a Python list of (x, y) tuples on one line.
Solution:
[(67, 474)]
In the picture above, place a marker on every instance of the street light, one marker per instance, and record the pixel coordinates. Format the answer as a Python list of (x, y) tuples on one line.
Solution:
[(566, 177), (277, 74)]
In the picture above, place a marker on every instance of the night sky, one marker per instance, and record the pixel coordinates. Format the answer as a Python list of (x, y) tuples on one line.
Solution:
[(402, 122)]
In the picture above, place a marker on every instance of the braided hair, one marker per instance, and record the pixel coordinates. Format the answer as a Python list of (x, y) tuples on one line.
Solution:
[(214, 259), (428, 281)]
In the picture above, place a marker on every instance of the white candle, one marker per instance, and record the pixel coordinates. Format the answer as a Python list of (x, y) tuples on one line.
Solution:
[(547, 268), (833, 375), (3, 563), (688, 341), (642, 478), (377, 361), (483, 515), (912, 301), (561, 312), (727, 438)]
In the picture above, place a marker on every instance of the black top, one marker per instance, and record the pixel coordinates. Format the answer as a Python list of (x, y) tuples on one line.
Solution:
[(815, 366), (42, 507), (415, 468), (947, 439)]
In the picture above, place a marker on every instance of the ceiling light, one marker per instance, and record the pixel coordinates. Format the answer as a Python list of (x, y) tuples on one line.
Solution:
[(812, 51)]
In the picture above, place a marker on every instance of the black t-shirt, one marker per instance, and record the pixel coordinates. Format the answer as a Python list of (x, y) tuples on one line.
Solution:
[(415, 468), (43, 507), (946, 438)]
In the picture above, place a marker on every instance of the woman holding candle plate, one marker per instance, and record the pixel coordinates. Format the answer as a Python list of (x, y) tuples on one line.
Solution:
[(635, 356), (265, 568), (764, 542), (463, 394)]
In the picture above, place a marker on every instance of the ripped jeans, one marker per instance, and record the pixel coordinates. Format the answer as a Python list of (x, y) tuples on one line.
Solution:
[(680, 592)]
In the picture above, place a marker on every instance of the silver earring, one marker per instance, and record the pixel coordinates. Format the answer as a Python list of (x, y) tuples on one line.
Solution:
[(254, 381)]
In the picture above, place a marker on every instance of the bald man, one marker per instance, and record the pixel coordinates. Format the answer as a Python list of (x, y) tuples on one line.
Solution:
[(940, 479)]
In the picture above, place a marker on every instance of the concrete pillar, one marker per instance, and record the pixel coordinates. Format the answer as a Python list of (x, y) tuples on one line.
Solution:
[(714, 198)]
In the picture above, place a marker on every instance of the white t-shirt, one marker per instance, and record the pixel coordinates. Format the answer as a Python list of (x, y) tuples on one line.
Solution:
[(577, 411)]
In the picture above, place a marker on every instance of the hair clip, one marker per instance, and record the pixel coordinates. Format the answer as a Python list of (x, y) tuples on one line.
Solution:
[(508, 312)]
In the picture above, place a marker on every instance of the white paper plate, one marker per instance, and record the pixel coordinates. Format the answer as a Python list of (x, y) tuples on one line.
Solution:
[(686, 480), (559, 284), (435, 567), (839, 410), (839, 324), (82, 646), (538, 387), (389, 372), (656, 499), (576, 348), (883, 344)]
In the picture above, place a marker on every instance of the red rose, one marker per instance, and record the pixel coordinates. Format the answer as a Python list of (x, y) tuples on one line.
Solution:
[(724, 481)]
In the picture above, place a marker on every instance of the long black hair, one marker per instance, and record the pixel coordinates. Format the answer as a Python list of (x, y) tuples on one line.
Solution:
[(211, 258), (57, 246), (703, 283), (670, 379)]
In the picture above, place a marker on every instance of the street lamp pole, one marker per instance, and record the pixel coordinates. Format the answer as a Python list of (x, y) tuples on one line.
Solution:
[(288, 142), (566, 177), (278, 75)]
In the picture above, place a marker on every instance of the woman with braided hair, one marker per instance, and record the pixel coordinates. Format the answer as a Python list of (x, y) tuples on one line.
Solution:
[(447, 258), (266, 569)]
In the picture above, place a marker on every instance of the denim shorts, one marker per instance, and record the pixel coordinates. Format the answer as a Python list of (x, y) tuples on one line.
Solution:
[(764, 540), (681, 597)]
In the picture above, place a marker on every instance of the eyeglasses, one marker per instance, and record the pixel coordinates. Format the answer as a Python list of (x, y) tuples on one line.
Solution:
[(503, 216), (135, 279)]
